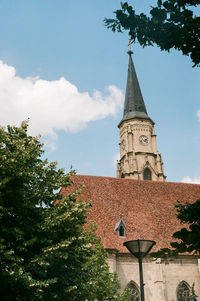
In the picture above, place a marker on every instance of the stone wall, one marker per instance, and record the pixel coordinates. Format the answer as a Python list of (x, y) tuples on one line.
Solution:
[(161, 279)]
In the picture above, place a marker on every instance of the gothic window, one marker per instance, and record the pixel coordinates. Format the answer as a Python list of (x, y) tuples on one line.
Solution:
[(183, 292), (134, 292), (147, 174)]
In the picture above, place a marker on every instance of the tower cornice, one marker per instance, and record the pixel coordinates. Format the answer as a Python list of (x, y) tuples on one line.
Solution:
[(135, 118)]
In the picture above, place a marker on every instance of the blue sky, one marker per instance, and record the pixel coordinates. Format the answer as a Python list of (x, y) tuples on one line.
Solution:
[(57, 62)]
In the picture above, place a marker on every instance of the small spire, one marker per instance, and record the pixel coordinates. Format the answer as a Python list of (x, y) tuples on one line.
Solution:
[(134, 104)]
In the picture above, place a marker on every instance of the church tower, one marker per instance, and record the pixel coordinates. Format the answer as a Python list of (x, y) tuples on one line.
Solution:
[(139, 157)]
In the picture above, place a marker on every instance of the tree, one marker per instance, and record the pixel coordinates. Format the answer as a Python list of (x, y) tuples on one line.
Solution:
[(46, 250), (170, 24)]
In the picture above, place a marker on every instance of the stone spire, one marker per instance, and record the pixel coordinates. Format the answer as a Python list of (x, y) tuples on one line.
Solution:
[(134, 104)]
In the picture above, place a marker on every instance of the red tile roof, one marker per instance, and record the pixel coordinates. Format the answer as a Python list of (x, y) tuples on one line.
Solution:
[(146, 207)]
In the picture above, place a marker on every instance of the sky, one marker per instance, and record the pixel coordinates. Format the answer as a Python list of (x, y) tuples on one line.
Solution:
[(65, 71)]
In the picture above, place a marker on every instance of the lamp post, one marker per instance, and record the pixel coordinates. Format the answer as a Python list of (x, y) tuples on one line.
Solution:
[(140, 248)]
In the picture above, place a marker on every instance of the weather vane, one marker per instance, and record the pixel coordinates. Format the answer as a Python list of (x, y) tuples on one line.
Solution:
[(129, 45)]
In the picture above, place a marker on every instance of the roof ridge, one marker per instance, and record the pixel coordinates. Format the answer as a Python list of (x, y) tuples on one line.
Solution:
[(139, 181)]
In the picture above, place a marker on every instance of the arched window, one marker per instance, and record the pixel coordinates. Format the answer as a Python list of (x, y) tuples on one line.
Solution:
[(183, 292), (147, 174), (134, 292)]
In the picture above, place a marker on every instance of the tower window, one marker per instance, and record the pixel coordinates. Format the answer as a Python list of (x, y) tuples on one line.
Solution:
[(147, 174), (183, 292)]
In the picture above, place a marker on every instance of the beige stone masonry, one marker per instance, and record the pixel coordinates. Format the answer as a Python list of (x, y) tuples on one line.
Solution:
[(161, 279), (138, 150)]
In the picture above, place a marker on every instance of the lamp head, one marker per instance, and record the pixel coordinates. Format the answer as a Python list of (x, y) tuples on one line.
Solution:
[(140, 247)]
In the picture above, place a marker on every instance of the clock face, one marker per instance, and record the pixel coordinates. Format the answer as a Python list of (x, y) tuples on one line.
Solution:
[(144, 140)]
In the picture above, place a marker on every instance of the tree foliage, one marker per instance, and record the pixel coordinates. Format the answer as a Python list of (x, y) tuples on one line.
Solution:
[(46, 251), (170, 24)]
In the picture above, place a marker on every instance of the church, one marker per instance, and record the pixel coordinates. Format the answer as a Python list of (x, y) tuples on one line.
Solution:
[(139, 204)]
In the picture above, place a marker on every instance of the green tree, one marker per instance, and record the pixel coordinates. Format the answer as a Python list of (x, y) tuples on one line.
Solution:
[(170, 24), (46, 250)]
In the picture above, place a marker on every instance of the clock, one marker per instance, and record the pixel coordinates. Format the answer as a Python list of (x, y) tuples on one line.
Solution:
[(143, 140)]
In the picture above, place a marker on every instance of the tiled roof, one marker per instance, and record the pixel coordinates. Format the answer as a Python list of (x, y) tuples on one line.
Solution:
[(146, 207)]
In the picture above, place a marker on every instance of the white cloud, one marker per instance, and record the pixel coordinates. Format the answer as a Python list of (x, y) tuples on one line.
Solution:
[(190, 180), (198, 114), (52, 105)]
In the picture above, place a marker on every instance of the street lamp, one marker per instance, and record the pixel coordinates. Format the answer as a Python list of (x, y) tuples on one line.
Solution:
[(140, 248)]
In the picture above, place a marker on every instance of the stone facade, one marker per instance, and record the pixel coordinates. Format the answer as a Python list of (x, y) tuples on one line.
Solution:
[(138, 150), (161, 279)]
